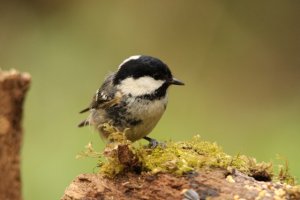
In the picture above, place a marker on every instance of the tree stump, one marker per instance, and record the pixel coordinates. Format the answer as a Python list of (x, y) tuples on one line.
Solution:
[(13, 88)]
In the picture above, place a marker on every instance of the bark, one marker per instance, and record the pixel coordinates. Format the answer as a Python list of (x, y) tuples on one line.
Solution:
[(13, 88), (212, 184)]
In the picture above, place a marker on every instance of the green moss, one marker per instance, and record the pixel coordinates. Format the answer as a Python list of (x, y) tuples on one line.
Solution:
[(195, 154), (181, 157), (284, 174)]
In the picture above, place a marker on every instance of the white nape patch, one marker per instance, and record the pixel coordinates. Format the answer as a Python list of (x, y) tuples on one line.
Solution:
[(128, 59), (140, 86)]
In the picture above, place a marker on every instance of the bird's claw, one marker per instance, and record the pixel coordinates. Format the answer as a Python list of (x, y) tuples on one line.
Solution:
[(153, 143)]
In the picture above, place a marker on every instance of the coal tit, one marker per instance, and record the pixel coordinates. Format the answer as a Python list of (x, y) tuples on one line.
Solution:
[(132, 99)]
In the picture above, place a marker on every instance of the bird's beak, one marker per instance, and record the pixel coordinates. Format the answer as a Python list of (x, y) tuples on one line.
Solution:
[(175, 81)]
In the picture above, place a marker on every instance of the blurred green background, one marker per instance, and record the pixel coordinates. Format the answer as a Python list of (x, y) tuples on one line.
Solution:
[(240, 61)]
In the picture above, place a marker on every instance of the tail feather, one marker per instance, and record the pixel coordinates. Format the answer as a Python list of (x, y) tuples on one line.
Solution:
[(85, 110)]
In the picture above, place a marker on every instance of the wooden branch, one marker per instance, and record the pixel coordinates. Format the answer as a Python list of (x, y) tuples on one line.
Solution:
[(13, 87)]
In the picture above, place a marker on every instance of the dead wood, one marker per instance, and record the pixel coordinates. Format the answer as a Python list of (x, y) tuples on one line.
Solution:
[(13, 88), (210, 183)]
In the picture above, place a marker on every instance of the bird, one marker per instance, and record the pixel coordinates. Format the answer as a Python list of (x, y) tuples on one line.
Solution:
[(132, 99)]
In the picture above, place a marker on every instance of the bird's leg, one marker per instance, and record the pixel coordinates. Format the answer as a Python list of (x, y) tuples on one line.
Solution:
[(153, 143)]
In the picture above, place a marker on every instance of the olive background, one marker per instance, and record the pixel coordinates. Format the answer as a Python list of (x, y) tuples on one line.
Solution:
[(240, 61)]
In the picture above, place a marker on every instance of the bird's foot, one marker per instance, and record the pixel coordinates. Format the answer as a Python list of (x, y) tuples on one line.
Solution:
[(153, 143)]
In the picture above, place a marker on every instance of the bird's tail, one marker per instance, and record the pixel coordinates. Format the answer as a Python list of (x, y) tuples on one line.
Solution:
[(84, 123)]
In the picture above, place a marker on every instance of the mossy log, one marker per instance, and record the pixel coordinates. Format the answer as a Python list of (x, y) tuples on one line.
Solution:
[(210, 184), (13, 88), (187, 170)]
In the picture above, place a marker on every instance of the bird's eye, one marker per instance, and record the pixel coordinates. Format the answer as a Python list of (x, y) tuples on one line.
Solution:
[(156, 76)]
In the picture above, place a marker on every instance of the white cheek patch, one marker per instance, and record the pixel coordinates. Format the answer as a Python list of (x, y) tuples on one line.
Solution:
[(140, 86), (128, 59)]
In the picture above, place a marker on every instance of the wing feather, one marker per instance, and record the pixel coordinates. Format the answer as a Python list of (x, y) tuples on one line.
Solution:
[(106, 96)]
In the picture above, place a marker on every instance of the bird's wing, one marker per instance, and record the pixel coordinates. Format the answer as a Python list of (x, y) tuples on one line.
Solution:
[(106, 96)]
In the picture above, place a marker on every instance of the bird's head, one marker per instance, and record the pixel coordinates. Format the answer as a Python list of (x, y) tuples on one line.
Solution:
[(142, 75)]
